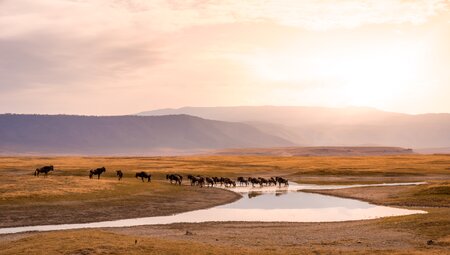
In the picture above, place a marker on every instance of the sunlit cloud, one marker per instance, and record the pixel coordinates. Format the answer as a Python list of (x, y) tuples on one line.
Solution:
[(169, 53)]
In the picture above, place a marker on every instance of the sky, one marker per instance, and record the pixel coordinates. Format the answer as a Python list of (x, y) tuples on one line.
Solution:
[(113, 57)]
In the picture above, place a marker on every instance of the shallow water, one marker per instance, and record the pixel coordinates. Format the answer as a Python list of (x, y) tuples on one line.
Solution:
[(268, 204)]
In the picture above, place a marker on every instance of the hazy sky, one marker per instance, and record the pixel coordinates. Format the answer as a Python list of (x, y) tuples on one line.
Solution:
[(126, 56)]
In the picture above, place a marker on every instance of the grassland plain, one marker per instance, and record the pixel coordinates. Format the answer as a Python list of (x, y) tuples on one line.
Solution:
[(67, 195)]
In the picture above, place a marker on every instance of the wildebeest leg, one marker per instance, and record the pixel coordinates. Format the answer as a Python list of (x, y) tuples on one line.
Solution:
[(98, 177)]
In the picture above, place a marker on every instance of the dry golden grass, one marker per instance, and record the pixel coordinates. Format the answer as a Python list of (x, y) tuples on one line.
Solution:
[(69, 191), (419, 165), (70, 176), (105, 242)]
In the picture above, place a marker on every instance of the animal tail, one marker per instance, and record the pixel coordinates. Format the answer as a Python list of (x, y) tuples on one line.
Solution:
[(35, 173)]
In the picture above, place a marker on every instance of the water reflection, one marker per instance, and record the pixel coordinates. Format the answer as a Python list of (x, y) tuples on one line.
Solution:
[(253, 194), (258, 204)]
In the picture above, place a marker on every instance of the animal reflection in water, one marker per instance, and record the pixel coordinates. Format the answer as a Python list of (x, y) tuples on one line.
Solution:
[(280, 192), (144, 175), (44, 170), (97, 172), (253, 194)]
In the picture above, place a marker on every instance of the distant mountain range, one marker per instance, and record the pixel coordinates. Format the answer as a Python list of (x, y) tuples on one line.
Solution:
[(317, 151), (130, 135), (264, 130), (321, 126)]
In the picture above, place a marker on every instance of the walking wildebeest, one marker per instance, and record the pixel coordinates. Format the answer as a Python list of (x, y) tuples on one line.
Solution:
[(44, 170), (253, 181), (196, 180), (200, 181), (272, 180), (242, 180), (119, 174), (281, 180), (218, 180), (97, 172), (262, 181), (144, 175), (209, 181), (174, 177)]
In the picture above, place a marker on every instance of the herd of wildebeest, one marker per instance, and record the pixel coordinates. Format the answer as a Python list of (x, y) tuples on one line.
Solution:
[(196, 180)]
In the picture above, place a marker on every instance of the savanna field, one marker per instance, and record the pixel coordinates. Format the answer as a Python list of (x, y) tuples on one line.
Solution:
[(67, 195)]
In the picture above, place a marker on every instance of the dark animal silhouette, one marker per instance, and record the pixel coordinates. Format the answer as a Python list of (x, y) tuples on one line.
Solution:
[(196, 180), (254, 181), (216, 180), (281, 180), (44, 170), (242, 181), (144, 175), (193, 179), (209, 181), (272, 181), (228, 182), (262, 181), (119, 174), (97, 172), (174, 178), (200, 181)]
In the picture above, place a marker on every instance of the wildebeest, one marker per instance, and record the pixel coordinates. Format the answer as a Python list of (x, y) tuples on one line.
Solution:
[(200, 181), (144, 175), (272, 181), (281, 180), (242, 181), (262, 181), (228, 182), (44, 170), (254, 181), (215, 179), (97, 172), (174, 177), (209, 181), (197, 180), (119, 174)]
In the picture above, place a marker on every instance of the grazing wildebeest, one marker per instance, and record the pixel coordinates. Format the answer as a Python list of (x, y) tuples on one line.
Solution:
[(97, 172), (144, 175), (174, 177), (44, 170), (119, 174), (209, 181), (228, 182), (242, 181), (281, 180)]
